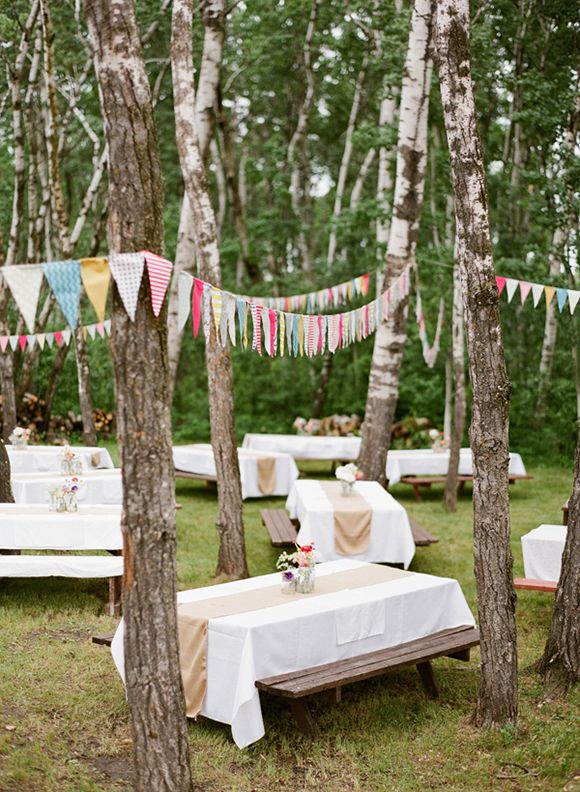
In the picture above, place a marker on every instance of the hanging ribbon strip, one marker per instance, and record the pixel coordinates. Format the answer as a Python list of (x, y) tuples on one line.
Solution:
[(429, 352), (277, 331)]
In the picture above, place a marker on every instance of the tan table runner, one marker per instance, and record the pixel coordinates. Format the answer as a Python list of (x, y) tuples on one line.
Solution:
[(193, 618), (266, 474), (352, 519)]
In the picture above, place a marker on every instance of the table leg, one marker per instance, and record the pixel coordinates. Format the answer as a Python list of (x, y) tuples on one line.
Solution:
[(428, 679), (303, 717)]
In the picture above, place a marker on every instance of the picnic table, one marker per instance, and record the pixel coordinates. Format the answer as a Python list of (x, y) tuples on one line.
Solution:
[(542, 550), (318, 510), (357, 610), (43, 458), (262, 474), (100, 487), (305, 446)]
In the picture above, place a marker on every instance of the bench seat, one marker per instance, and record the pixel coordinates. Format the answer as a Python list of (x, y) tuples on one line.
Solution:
[(529, 584), (331, 677), (427, 481), (195, 476)]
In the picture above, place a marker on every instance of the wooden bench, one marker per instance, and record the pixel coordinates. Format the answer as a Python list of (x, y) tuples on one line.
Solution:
[(528, 584), (195, 476), (283, 531), (105, 639), (69, 566), (427, 481), (331, 677), (565, 512)]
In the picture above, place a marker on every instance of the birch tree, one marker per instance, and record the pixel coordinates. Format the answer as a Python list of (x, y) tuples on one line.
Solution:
[(139, 348), (391, 335), (230, 526), (497, 700), (458, 378)]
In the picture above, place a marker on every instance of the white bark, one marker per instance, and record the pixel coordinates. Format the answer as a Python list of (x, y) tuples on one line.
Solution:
[(550, 326), (357, 189)]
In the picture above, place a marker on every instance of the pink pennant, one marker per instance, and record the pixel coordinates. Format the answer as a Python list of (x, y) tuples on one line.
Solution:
[(320, 334), (159, 270), (3, 343), (22, 342), (500, 283), (196, 304), (100, 329), (365, 283), (58, 338), (273, 328), (525, 289)]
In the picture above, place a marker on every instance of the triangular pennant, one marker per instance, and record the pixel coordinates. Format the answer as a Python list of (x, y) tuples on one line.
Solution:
[(232, 318), (100, 328), (96, 276), (525, 289), (40, 338), (159, 270), (216, 304), (22, 341), (562, 296), (573, 297), (25, 281), (224, 317), (550, 291), (500, 283), (107, 326), (64, 278), (206, 300), (13, 339), (31, 340), (537, 291), (50, 339), (3, 343), (510, 286), (92, 330), (184, 287), (127, 271), (58, 338), (66, 335)]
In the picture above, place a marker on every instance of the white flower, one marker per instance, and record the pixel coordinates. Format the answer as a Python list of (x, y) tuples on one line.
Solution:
[(347, 473), (433, 434), (18, 431)]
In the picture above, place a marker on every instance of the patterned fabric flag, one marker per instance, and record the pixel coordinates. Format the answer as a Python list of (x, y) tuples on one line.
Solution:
[(196, 301), (241, 308), (232, 318), (525, 289), (282, 329), (273, 331), (562, 296), (573, 297), (206, 303), (537, 291), (216, 302), (301, 334), (256, 311), (127, 271), (184, 288), (295, 329), (64, 278), (25, 281), (96, 276), (266, 328), (159, 270)]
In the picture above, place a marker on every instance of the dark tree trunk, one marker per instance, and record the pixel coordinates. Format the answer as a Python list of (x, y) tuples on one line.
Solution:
[(458, 423), (52, 384), (322, 390), (497, 702), (139, 348), (560, 664), (230, 524), (84, 387), (9, 418), (6, 495)]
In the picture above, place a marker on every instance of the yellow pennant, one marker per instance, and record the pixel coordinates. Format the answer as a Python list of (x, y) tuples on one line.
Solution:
[(282, 328), (96, 276), (549, 291)]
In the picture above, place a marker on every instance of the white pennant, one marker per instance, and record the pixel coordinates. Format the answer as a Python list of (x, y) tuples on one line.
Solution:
[(537, 292), (510, 286), (40, 338), (127, 271), (25, 281), (50, 339), (13, 342), (573, 297), (31, 340), (66, 334), (184, 287), (92, 330), (107, 326)]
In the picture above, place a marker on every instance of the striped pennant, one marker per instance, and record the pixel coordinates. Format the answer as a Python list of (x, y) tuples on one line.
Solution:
[(159, 270)]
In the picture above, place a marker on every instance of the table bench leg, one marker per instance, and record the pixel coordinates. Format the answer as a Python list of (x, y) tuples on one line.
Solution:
[(333, 696), (303, 717), (416, 493), (115, 589), (428, 679)]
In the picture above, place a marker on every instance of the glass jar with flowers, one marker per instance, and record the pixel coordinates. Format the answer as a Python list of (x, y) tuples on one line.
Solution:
[(19, 437), (68, 462), (69, 492), (439, 442), (347, 475), (297, 570)]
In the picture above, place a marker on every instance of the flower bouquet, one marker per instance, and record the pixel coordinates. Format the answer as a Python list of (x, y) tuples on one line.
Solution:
[(70, 463), (298, 570), (19, 437), (347, 475), (68, 493), (438, 441)]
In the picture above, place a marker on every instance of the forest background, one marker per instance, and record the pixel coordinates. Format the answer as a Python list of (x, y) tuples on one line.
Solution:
[(525, 72)]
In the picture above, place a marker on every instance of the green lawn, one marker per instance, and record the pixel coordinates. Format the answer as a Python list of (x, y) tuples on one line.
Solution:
[(63, 718)]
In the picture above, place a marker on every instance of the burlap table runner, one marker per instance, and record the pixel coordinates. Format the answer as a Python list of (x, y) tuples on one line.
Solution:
[(193, 618), (352, 519), (266, 474)]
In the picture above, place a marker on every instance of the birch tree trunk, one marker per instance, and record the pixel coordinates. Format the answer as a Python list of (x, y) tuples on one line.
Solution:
[(139, 349), (497, 701), (9, 418), (458, 424), (391, 334), (230, 525), (560, 664), (83, 382), (213, 14)]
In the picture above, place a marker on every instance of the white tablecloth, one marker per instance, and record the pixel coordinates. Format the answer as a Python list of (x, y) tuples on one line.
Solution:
[(37, 458), (103, 486), (36, 528), (305, 446), (198, 458), (307, 632), (542, 549), (391, 538), (426, 462)]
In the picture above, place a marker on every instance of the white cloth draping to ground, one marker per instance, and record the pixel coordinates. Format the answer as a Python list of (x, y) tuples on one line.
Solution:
[(36, 528), (305, 446), (102, 486), (307, 632), (61, 566), (38, 458), (391, 538), (426, 462), (542, 549), (198, 458)]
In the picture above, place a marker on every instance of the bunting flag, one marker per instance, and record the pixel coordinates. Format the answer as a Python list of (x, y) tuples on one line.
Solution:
[(321, 300), (25, 281), (429, 352), (96, 276), (159, 270), (127, 271), (184, 289), (60, 337), (64, 278)]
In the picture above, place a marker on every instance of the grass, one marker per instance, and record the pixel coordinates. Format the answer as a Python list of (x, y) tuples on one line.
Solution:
[(64, 722)]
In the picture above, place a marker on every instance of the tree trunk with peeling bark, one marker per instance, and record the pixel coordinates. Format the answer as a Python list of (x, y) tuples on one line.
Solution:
[(230, 525), (391, 334), (458, 369), (497, 702), (139, 349), (560, 663), (83, 381), (6, 495), (213, 14)]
